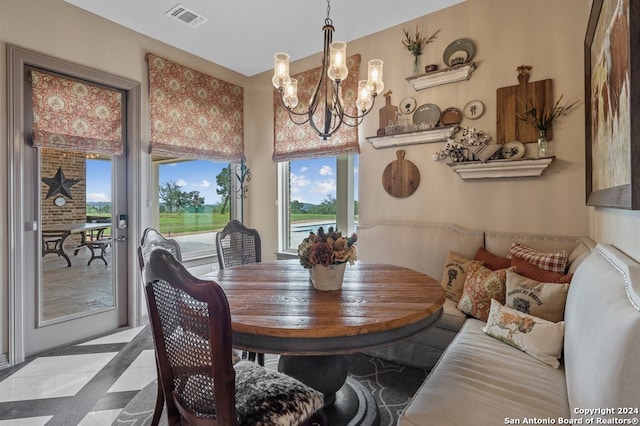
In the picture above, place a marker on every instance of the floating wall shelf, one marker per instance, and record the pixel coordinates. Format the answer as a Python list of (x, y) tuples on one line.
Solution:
[(501, 168), (438, 134), (444, 76)]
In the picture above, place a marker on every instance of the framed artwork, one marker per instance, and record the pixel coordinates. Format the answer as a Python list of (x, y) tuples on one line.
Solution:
[(612, 104)]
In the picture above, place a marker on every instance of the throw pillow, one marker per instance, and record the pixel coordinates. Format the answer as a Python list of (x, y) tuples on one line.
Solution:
[(528, 270), (537, 337), (554, 262), (454, 274), (481, 285), (543, 300), (491, 260)]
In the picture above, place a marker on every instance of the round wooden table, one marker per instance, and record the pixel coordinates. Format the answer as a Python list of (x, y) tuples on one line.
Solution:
[(275, 309)]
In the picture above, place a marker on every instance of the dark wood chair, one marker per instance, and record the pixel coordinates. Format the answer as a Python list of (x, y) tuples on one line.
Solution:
[(151, 240), (191, 324), (238, 245)]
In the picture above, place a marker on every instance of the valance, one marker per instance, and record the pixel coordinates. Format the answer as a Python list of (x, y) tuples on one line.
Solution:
[(292, 141), (194, 115), (75, 116)]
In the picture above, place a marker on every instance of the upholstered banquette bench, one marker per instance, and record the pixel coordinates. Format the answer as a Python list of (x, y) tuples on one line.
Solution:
[(577, 366)]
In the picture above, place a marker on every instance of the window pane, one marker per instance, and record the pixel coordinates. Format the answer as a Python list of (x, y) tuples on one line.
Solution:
[(193, 202), (313, 199)]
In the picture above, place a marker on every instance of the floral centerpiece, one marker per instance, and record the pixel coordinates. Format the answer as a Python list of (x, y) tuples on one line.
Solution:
[(416, 45), (326, 255)]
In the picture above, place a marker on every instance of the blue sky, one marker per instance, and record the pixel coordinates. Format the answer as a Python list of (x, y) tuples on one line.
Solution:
[(311, 180)]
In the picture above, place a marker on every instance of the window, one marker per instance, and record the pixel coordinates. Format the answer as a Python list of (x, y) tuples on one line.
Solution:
[(317, 192), (192, 200)]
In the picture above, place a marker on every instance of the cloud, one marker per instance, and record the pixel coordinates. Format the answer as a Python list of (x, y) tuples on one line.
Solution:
[(204, 184), (181, 182), (326, 171), (98, 196), (324, 186), (303, 169)]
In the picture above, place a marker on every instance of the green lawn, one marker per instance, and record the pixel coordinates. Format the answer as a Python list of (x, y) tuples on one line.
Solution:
[(185, 223)]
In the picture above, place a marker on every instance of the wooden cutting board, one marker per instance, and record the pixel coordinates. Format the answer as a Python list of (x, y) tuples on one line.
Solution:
[(388, 113), (401, 177), (510, 103)]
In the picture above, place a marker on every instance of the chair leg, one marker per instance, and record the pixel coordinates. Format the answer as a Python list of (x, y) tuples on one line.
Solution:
[(157, 410)]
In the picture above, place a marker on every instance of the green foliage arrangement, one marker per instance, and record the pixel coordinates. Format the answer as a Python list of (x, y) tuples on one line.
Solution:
[(543, 118), (416, 44)]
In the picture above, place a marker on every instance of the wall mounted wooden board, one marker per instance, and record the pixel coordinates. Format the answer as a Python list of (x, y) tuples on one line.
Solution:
[(401, 177), (510, 102)]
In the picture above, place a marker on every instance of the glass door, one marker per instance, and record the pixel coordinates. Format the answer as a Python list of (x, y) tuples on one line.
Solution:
[(76, 228)]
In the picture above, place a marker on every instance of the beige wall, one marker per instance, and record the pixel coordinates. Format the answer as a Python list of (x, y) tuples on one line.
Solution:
[(64, 31), (546, 34)]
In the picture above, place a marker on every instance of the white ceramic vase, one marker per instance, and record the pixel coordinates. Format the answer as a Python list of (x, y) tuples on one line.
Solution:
[(327, 278)]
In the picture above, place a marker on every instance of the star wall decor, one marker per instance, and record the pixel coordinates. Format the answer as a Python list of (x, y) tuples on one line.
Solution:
[(59, 184)]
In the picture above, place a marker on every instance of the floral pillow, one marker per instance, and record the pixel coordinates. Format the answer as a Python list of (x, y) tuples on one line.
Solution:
[(554, 262), (454, 274), (544, 300), (537, 337), (481, 285)]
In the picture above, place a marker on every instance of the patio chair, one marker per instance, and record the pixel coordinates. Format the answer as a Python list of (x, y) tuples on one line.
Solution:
[(191, 324), (238, 245)]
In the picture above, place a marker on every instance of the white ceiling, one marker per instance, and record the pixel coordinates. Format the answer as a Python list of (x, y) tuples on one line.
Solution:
[(243, 35)]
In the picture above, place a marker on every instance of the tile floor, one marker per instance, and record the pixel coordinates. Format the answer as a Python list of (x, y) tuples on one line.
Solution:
[(85, 384)]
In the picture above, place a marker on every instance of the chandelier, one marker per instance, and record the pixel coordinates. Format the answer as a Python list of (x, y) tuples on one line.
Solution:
[(334, 71)]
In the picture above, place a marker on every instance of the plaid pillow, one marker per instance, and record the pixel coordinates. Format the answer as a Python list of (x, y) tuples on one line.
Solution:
[(554, 262)]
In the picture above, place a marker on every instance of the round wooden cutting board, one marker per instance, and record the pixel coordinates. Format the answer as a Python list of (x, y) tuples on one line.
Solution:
[(401, 177)]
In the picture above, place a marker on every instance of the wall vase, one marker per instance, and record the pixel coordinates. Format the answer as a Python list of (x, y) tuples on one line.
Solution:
[(327, 278), (417, 64), (543, 149)]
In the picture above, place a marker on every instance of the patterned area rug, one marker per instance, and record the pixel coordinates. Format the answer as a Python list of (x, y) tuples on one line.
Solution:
[(392, 386)]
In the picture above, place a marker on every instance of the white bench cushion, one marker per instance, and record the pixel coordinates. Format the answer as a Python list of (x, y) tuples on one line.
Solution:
[(480, 380)]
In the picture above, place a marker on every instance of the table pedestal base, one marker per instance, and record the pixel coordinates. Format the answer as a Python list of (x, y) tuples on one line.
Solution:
[(347, 402)]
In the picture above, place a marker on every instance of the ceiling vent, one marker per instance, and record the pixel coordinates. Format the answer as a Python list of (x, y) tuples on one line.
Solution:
[(186, 16)]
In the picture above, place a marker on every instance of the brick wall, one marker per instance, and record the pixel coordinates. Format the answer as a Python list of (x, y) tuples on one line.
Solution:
[(73, 166)]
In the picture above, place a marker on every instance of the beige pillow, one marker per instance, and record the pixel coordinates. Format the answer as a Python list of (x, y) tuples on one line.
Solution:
[(454, 274), (539, 338), (481, 285), (543, 300)]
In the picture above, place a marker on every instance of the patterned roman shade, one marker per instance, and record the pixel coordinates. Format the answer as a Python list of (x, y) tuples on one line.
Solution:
[(292, 141), (75, 116), (194, 115)]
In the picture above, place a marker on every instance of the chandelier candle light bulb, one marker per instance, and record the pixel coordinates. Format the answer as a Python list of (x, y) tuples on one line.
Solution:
[(338, 70), (328, 93)]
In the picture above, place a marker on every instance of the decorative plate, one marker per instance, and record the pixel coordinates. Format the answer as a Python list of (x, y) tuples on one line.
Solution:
[(473, 109), (407, 105), (427, 113), (513, 150), (459, 52), (450, 116)]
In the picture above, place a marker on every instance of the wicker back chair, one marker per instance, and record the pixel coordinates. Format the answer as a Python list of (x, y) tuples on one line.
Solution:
[(151, 240), (191, 324), (238, 245)]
